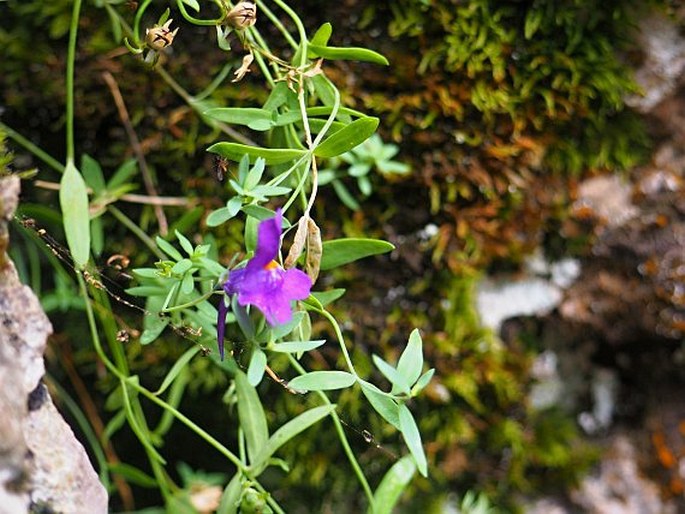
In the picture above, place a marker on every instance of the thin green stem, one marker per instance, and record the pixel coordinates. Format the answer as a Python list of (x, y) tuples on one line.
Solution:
[(195, 105), (126, 221), (136, 20), (343, 438), (215, 83), (300, 29), (197, 21), (133, 384), (341, 339), (196, 301), (277, 23), (34, 149), (71, 59)]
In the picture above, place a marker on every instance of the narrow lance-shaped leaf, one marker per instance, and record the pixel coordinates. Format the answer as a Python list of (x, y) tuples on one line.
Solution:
[(73, 198), (412, 436), (231, 496), (290, 430), (296, 346), (322, 35), (323, 381), (398, 381), (383, 404), (178, 366), (257, 366), (347, 138), (411, 360), (235, 151), (337, 252), (251, 415), (333, 53), (393, 485), (256, 119)]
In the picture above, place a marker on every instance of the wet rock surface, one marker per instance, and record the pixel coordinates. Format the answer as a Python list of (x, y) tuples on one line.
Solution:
[(42, 465)]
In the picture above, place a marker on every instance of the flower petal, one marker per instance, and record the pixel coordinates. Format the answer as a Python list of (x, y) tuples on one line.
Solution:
[(277, 310), (268, 241), (234, 281), (296, 284)]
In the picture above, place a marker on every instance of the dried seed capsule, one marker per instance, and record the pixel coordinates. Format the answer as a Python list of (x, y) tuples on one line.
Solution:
[(158, 38), (242, 16)]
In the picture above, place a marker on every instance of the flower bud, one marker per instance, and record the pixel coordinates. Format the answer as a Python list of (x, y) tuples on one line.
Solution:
[(158, 38), (242, 16)]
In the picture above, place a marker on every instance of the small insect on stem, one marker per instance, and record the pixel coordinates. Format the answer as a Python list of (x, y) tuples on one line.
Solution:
[(220, 167)]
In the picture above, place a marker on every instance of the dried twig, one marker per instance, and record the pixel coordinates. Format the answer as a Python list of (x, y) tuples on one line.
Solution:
[(168, 201), (137, 149)]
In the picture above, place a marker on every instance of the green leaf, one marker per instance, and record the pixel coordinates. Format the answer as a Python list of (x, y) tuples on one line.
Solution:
[(73, 199), (412, 437), (296, 346), (283, 330), (351, 53), (278, 96), (154, 325), (166, 247), (92, 174), (230, 499), (345, 196), (178, 366), (322, 35), (181, 266), (347, 138), (392, 486), (251, 233), (243, 318), (255, 370), (422, 382), (397, 380), (258, 212), (235, 152), (133, 475), (251, 415), (187, 284), (337, 252), (323, 381), (328, 297), (382, 403), (122, 174), (97, 236), (290, 430), (185, 244), (411, 360), (219, 216), (146, 291), (255, 175), (254, 118)]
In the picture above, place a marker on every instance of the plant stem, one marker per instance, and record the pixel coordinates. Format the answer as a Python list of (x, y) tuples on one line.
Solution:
[(341, 339), (127, 381), (343, 438), (31, 147), (71, 58), (136, 230)]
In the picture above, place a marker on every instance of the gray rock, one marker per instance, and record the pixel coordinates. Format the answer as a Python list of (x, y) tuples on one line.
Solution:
[(41, 462)]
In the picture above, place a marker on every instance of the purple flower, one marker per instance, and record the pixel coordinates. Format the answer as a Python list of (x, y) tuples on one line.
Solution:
[(263, 283)]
